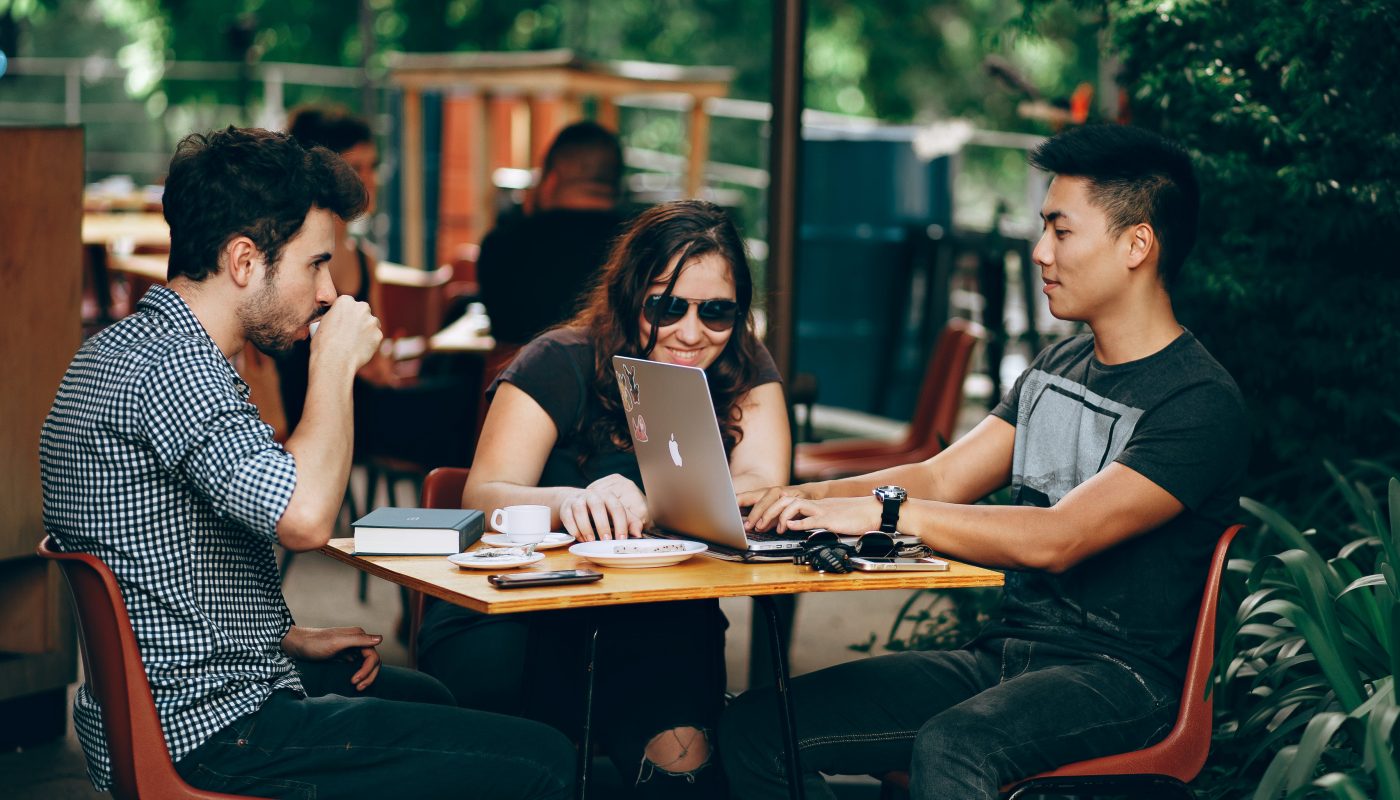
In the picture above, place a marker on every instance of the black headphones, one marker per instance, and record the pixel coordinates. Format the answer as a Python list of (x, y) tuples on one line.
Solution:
[(824, 551)]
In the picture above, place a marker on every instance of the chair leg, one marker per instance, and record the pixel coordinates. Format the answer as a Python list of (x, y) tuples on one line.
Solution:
[(352, 506), (372, 476)]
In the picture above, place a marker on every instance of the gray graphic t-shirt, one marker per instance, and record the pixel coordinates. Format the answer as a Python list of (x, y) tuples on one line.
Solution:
[(1177, 418)]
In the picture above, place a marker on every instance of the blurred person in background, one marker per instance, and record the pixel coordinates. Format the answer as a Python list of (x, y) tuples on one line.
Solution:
[(533, 269)]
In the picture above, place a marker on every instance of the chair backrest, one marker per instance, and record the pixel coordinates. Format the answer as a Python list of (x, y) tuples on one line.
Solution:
[(112, 666), (442, 488), (463, 264), (940, 395), (410, 300), (1183, 752)]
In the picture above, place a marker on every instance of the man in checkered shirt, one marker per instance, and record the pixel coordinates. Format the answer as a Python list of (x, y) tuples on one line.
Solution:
[(153, 460)]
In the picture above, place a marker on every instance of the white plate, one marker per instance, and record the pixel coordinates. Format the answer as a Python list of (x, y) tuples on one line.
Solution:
[(475, 560), (638, 552), (551, 541)]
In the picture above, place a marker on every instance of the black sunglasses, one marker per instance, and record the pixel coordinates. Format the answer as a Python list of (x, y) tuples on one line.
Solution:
[(823, 550), (717, 315)]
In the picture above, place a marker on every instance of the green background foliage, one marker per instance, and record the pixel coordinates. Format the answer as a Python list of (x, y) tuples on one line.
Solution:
[(1294, 112), (1305, 705)]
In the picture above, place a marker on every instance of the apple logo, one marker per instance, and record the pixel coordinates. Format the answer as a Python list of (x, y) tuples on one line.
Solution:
[(675, 450)]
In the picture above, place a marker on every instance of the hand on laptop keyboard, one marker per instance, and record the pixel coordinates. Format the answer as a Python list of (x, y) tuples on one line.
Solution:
[(766, 504), (611, 507)]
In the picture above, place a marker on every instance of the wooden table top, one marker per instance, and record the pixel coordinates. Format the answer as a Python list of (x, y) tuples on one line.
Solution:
[(464, 335), (699, 577), (388, 272), (136, 228), (150, 267)]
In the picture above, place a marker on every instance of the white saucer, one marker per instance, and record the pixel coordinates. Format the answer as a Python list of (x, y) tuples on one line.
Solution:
[(551, 541), (476, 559), (637, 553)]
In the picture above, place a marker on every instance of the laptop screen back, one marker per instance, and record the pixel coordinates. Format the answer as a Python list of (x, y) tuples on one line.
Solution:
[(676, 437)]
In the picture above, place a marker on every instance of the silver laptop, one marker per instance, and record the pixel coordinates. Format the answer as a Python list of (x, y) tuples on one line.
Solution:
[(685, 471)]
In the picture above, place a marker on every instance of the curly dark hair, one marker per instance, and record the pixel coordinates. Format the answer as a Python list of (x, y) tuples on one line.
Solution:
[(612, 313), (249, 182)]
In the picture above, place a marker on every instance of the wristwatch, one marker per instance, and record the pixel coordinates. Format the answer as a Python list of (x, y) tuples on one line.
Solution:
[(892, 497)]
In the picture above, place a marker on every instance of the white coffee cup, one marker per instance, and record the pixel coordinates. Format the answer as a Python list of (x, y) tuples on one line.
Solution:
[(522, 524)]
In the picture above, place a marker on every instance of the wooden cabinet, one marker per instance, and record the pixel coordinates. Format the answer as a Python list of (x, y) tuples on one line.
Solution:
[(41, 186)]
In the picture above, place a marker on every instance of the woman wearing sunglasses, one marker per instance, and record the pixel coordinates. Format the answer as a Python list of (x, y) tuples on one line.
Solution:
[(676, 289)]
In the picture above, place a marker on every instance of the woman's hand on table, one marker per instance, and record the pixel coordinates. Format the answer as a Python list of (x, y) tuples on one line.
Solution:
[(611, 507)]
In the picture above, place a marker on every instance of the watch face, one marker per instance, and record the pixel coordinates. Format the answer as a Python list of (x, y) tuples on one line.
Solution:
[(891, 493)]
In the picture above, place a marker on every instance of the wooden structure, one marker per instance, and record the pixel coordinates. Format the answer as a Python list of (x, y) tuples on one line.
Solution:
[(41, 213), (497, 95), (698, 578)]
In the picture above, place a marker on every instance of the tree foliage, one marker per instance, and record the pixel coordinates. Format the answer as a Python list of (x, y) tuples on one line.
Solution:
[(1294, 113)]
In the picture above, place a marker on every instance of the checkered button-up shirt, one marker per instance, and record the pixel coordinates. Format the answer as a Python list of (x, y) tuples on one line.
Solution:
[(153, 460)]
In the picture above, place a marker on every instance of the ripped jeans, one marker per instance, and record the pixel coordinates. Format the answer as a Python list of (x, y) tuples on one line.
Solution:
[(962, 722), (660, 667)]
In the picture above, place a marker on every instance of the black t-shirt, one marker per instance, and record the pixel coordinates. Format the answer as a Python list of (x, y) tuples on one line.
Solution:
[(533, 270), (556, 371), (1177, 418)]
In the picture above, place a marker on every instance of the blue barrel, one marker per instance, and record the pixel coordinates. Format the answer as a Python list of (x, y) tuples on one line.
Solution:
[(867, 199)]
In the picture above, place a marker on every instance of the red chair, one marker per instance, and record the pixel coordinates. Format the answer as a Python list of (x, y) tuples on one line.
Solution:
[(141, 765), (1163, 769), (463, 283), (935, 416), (441, 489)]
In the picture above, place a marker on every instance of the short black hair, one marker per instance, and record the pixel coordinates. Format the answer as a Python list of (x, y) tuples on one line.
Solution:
[(1135, 176), (249, 182), (586, 152), (331, 127)]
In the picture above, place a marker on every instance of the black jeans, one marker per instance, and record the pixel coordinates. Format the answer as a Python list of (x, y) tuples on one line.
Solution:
[(402, 737), (660, 666), (963, 722)]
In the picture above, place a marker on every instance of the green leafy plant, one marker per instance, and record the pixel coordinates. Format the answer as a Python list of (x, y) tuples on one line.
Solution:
[(1306, 702), (936, 620)]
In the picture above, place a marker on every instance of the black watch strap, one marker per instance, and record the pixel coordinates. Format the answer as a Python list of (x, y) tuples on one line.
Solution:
[(889, 517)]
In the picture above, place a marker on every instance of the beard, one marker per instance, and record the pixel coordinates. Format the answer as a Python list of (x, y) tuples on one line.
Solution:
[(272, 327)]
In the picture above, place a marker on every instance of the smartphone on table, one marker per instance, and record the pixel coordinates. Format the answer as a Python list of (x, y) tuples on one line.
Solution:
[(522, 580), (898, 564)]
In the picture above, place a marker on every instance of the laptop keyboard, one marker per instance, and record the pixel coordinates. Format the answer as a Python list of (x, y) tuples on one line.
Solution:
[(770, 536)]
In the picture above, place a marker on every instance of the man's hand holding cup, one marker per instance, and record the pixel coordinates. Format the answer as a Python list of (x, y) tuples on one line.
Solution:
[(347, 334)]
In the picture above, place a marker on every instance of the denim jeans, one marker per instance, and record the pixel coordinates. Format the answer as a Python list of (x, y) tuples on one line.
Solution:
[(660, 666), (963, 722), (383, 743)]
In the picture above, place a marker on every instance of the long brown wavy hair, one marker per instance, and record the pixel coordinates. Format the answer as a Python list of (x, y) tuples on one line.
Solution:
[(611, 315)]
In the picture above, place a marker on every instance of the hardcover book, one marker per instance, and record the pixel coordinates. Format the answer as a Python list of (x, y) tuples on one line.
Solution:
[(391, 531)]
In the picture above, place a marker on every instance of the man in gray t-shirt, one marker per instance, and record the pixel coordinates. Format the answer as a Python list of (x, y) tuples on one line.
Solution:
[(1124, 451)]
